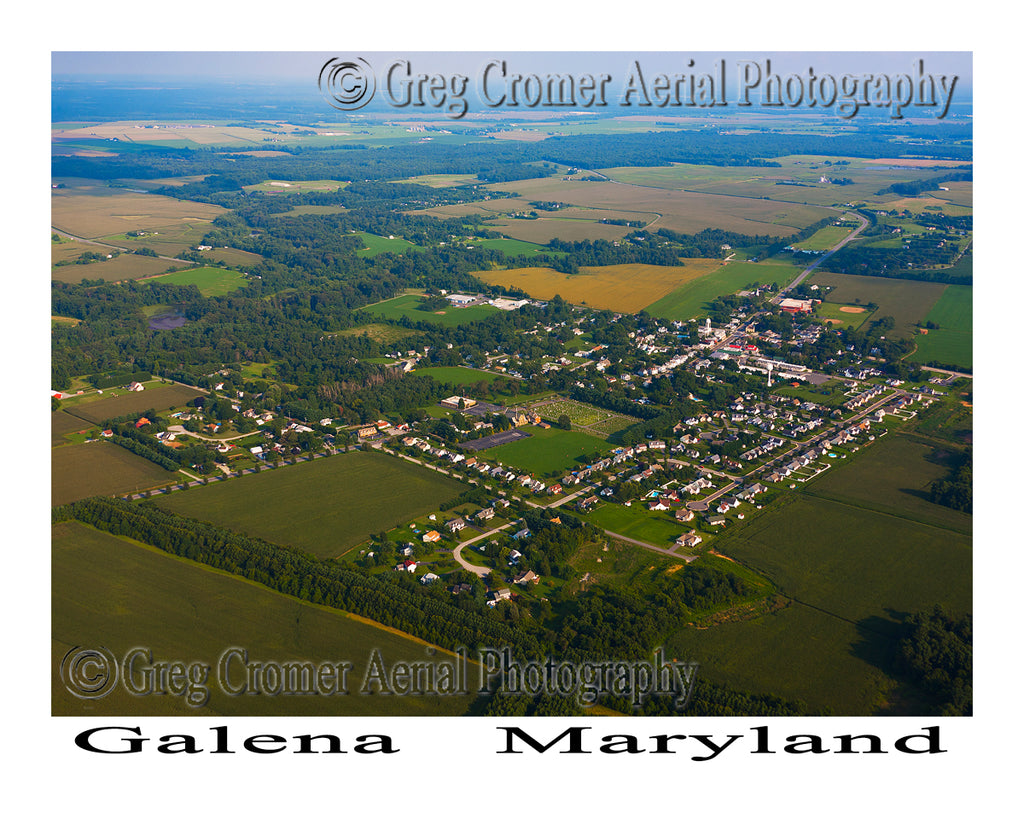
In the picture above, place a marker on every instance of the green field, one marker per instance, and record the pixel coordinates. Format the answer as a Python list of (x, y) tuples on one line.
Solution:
[(856, 563), (548, 452), (394, 309), (297, 186), (638, 522), (112, 592), (838, 318), (459, 376), (853, 564), (799, 653), (515, 247), (953, 342), (376, 245), (101, 468), (211, 281), (324, 506), (62, 424), (825, 239), (692, 299), (892, 475)]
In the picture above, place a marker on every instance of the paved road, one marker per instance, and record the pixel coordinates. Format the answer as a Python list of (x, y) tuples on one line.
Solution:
[(650, 546), (839, 245), (480, 571)]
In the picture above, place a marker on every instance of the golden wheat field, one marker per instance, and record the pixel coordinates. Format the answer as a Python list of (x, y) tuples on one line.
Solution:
[(624, 288)]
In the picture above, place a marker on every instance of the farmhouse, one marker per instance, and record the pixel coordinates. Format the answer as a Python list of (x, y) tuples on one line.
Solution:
[(689, 540), (432, 536), (455, 525)]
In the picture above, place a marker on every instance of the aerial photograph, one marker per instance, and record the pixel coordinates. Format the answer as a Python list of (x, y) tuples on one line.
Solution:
[(511, 384)]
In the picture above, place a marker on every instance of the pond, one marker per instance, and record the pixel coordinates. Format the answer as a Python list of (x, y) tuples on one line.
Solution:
[(167, 321)]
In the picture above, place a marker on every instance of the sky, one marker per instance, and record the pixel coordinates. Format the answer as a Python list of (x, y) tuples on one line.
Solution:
[(289, 66)]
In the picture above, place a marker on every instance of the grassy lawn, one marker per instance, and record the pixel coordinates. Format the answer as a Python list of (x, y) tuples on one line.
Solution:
[(637, 521), (548, 452), (458, 376), (851, 318), (120, 594), (325, 506)]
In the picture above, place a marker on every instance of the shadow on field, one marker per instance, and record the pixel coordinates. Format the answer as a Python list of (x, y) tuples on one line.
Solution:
[(878, 645)]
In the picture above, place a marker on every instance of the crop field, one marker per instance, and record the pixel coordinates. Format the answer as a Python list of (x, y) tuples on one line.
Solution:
[(691, 300), (944, 347), (101, 468), (171, 134), (892, 475), (376, 245), (570, 229), (854, 562), (394, 309), (93, 216), (798, 179), (62, 424), (683, 211), (443, 180), (305, 210), (952, 343), (822, 660), (211, 281), (324, 506), (155, 396), (122, 267), (624, 288), (548, 451), (907, 301), (957, 201), (117, 593)]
